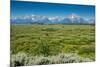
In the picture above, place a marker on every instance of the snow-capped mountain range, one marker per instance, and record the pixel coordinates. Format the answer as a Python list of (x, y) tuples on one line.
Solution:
[(34, 19)]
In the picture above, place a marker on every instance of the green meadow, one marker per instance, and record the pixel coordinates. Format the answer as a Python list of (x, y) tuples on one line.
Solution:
[(52, 44)]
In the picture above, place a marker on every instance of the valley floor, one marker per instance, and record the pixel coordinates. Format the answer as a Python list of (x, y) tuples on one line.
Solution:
[(45, 41)]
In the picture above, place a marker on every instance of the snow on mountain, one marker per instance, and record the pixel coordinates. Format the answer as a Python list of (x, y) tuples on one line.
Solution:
[(30, 19), (34, 19), (91, 21), (65, 20), (43, 20), (74, 18), (55, 20)]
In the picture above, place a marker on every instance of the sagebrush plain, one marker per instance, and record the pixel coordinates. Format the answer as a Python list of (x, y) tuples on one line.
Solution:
[(52, 41)]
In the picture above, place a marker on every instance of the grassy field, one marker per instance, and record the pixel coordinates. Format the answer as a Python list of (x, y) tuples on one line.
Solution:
[(53, 40)]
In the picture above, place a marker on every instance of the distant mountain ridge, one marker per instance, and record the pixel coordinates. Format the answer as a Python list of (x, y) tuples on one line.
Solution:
[(34, 19)]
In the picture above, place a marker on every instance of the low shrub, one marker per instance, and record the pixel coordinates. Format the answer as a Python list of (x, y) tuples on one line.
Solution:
[(22, 59)]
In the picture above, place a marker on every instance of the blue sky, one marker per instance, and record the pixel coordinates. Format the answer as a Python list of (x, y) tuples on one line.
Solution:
[(20, 8)]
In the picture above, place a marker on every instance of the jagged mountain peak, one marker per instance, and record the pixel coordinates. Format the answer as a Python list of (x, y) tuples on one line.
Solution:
[(71, 18), (73, 15)]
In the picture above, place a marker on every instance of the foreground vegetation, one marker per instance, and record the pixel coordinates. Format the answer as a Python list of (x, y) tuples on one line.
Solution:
[(51, 41), (22, 59)]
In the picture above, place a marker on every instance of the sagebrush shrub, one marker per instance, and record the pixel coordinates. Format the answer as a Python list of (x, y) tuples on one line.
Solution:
[(22, 59)]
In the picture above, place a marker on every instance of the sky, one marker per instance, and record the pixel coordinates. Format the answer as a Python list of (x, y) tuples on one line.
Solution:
[(20, 8)]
